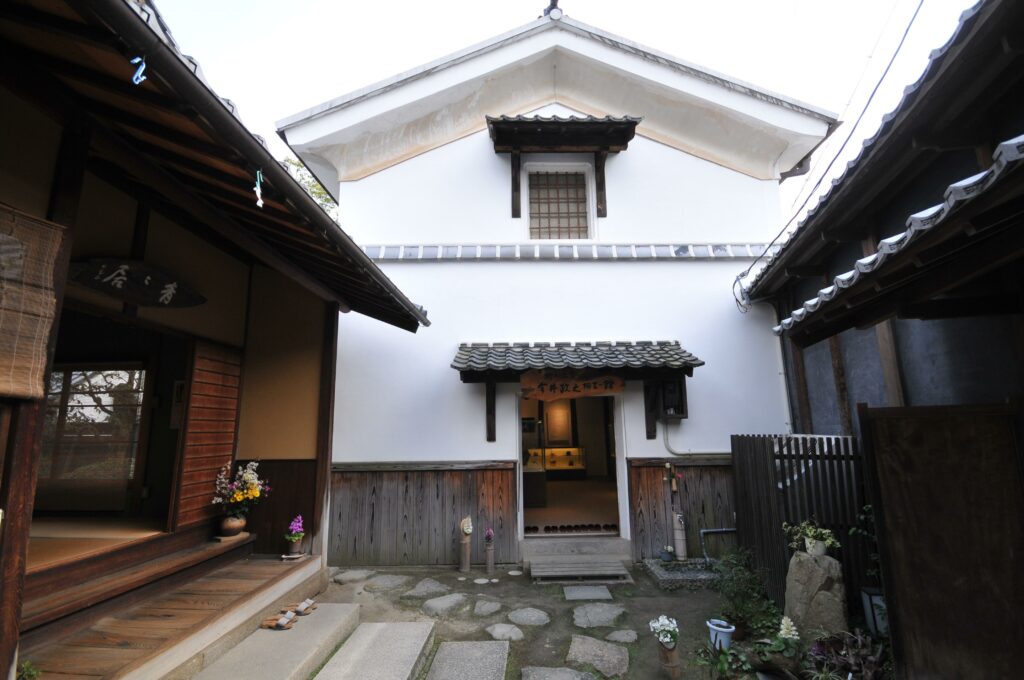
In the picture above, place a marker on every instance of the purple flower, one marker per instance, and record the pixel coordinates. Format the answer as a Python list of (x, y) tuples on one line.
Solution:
[(489, 535), (296, 526)]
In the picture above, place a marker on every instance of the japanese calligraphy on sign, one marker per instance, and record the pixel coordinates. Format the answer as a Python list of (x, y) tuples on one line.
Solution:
[(568, 384), (134, 282)]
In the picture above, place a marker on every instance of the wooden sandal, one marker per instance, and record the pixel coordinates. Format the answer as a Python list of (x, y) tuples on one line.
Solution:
[(304, 608), (279, 622)]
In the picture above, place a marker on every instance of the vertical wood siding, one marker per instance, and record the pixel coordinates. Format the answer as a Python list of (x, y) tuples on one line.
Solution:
[(411, 516), (210, 430), (292, 484), (705, 498)]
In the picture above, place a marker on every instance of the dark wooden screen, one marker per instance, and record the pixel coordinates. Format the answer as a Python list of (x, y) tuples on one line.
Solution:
[(790, 478), (705, 497), (210, 430), (949, 495), (411, 516)]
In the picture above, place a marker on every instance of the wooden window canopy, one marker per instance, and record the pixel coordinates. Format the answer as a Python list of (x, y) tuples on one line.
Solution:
[(517, 135)]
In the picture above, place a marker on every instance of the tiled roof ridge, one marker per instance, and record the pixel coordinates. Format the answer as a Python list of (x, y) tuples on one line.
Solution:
[(554, 118), (868, 146), (604, 354), (1006, 157)]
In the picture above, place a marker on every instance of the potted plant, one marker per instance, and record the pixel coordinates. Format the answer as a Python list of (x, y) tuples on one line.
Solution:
[(666, 630), (489, 550), (782, 653), (238, 496), (809, 536), (746, 605), (294, 536), (668, 554), (720, 632)]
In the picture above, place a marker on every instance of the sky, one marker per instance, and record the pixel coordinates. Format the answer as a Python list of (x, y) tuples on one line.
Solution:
[(274, 58)]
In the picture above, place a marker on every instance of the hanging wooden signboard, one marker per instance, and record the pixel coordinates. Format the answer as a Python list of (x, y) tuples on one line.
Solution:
[(134, 282), (568, 384)]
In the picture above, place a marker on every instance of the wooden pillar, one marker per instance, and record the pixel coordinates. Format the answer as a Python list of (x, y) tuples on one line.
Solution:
[(325, 423), (602, 198), (803, 399), (839, 376), (21, 458), (516, 200), (651, 408), (888, 352), (490, 399)]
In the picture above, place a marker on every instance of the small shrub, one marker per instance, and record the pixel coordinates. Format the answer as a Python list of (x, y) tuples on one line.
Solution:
[(26, 671), (725, 664), (745, 599)]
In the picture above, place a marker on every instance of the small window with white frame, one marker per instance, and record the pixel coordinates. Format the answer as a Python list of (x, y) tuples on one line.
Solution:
[(560, 201)]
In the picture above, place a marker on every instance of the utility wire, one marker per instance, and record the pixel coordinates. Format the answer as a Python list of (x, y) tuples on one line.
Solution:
[(742, 303)]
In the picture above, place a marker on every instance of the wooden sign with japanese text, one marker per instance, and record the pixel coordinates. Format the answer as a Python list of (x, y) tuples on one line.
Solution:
[(568, 384), (134, 282)]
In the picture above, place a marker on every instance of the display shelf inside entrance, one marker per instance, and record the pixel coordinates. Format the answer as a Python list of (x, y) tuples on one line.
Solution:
[(557, 459)]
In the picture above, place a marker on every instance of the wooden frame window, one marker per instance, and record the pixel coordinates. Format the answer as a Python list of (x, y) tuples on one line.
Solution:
[(559, 203)]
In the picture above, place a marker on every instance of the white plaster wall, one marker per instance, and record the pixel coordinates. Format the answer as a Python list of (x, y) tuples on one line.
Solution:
[(399, 400), (460, 193)]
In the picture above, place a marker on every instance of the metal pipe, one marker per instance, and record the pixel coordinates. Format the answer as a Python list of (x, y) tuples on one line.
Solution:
[(166, 61), (703, 546)]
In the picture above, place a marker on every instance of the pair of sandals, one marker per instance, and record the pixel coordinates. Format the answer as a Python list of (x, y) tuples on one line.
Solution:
[(289, 615)]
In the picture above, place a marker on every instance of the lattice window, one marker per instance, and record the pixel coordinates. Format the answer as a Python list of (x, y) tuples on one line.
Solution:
[(558, 205)]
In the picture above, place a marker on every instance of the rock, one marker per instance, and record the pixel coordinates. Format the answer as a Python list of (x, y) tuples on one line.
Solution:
[(515, 572), (596, 615), (505, 631), (477, 660), (815, 595), (352, 575), (441, 606), (529, 617), (486, 608), (540, 673), (385, 582), (626, 635), (610, 660), (586, 593), (428, 587), (332, 572), (481, 581)]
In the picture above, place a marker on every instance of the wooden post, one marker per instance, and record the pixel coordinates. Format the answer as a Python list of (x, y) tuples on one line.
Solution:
[(465, 551), (602, 198), (489, 553), (516, 200), (651, 408), (325, 426), (670, 661), (490, 399), (21, 459), (888, 353)]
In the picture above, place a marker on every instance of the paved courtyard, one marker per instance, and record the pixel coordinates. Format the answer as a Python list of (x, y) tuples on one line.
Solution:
[(597, 630)]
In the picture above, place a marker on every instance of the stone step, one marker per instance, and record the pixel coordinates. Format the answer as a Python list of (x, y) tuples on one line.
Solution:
[(562, 568), (476, 660), (288, 654), (381, 651)]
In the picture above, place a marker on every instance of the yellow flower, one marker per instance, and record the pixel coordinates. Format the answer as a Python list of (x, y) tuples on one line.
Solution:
[(256, 493)]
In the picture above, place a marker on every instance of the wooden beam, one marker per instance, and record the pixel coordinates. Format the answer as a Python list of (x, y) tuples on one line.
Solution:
[(803, 399), (888, 352), (24, 446), (490, 397), (602, 199), (651, 408), (55, 25), (517, 202)]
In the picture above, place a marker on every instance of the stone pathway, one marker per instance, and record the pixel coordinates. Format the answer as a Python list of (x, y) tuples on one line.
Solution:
[(596, 615), (627, 636), (609, 659), (444, 605), (477, 660), (540, 673), (384, 582), (353, 575), (486, 608), (428, 587), (529, 617), (587, 593), (505, 631)]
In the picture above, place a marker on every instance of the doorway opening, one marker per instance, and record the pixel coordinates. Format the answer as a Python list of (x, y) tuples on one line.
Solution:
[(569, 484), (110, 440)]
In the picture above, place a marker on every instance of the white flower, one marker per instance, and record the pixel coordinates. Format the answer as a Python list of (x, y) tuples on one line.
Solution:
[(787, 630), (665, 629)]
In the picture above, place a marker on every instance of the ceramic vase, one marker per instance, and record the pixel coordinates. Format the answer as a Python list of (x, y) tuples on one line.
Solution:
[(231, 526), (814, 547)]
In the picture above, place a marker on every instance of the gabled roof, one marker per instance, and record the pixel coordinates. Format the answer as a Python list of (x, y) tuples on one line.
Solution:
[(172, 142), (697, 110), (523, 356), (950, 88)]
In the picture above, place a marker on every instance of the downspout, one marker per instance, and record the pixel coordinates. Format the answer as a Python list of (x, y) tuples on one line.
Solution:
[(167, 62)]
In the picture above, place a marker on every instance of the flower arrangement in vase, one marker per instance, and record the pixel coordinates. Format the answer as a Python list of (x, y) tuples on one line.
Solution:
[(666, 630), (294, 536), (237, 496)]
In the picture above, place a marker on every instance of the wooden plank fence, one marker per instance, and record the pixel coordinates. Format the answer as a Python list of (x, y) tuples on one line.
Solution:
[(790, 478)]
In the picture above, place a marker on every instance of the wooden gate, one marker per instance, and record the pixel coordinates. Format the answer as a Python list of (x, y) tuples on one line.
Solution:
[(949, 495)]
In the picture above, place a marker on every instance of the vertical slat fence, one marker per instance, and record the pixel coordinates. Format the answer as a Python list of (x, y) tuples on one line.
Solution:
[(790, 478)]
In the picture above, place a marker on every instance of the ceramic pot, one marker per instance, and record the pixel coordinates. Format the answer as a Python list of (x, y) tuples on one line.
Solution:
[(814, 547), (231, 526), (720, 633), (666, 556), (669, 657), (295, 547)]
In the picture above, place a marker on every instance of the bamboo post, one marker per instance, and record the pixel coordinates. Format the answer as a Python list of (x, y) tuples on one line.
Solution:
[(490, 559), (465, 545), (670, 661)]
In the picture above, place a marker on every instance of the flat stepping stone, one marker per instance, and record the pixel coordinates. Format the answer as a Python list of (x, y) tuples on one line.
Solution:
[(287, 657), (385, 582), (609, 659), (587, 593), (515, 572), (481, 581), (477, 660), (627, 636), (596, 615), (505, 631), (428, 587), (353, 575), (442, 606), (375, 651), (486, 608), (529, 617), (541, 673)]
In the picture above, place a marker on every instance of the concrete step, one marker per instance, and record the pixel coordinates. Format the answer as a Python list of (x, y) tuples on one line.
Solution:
[(381, 651), (288, 654), (602, 547), (476, 660)]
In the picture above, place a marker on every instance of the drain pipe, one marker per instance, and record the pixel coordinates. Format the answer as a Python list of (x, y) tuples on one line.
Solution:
[(703, 545)]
